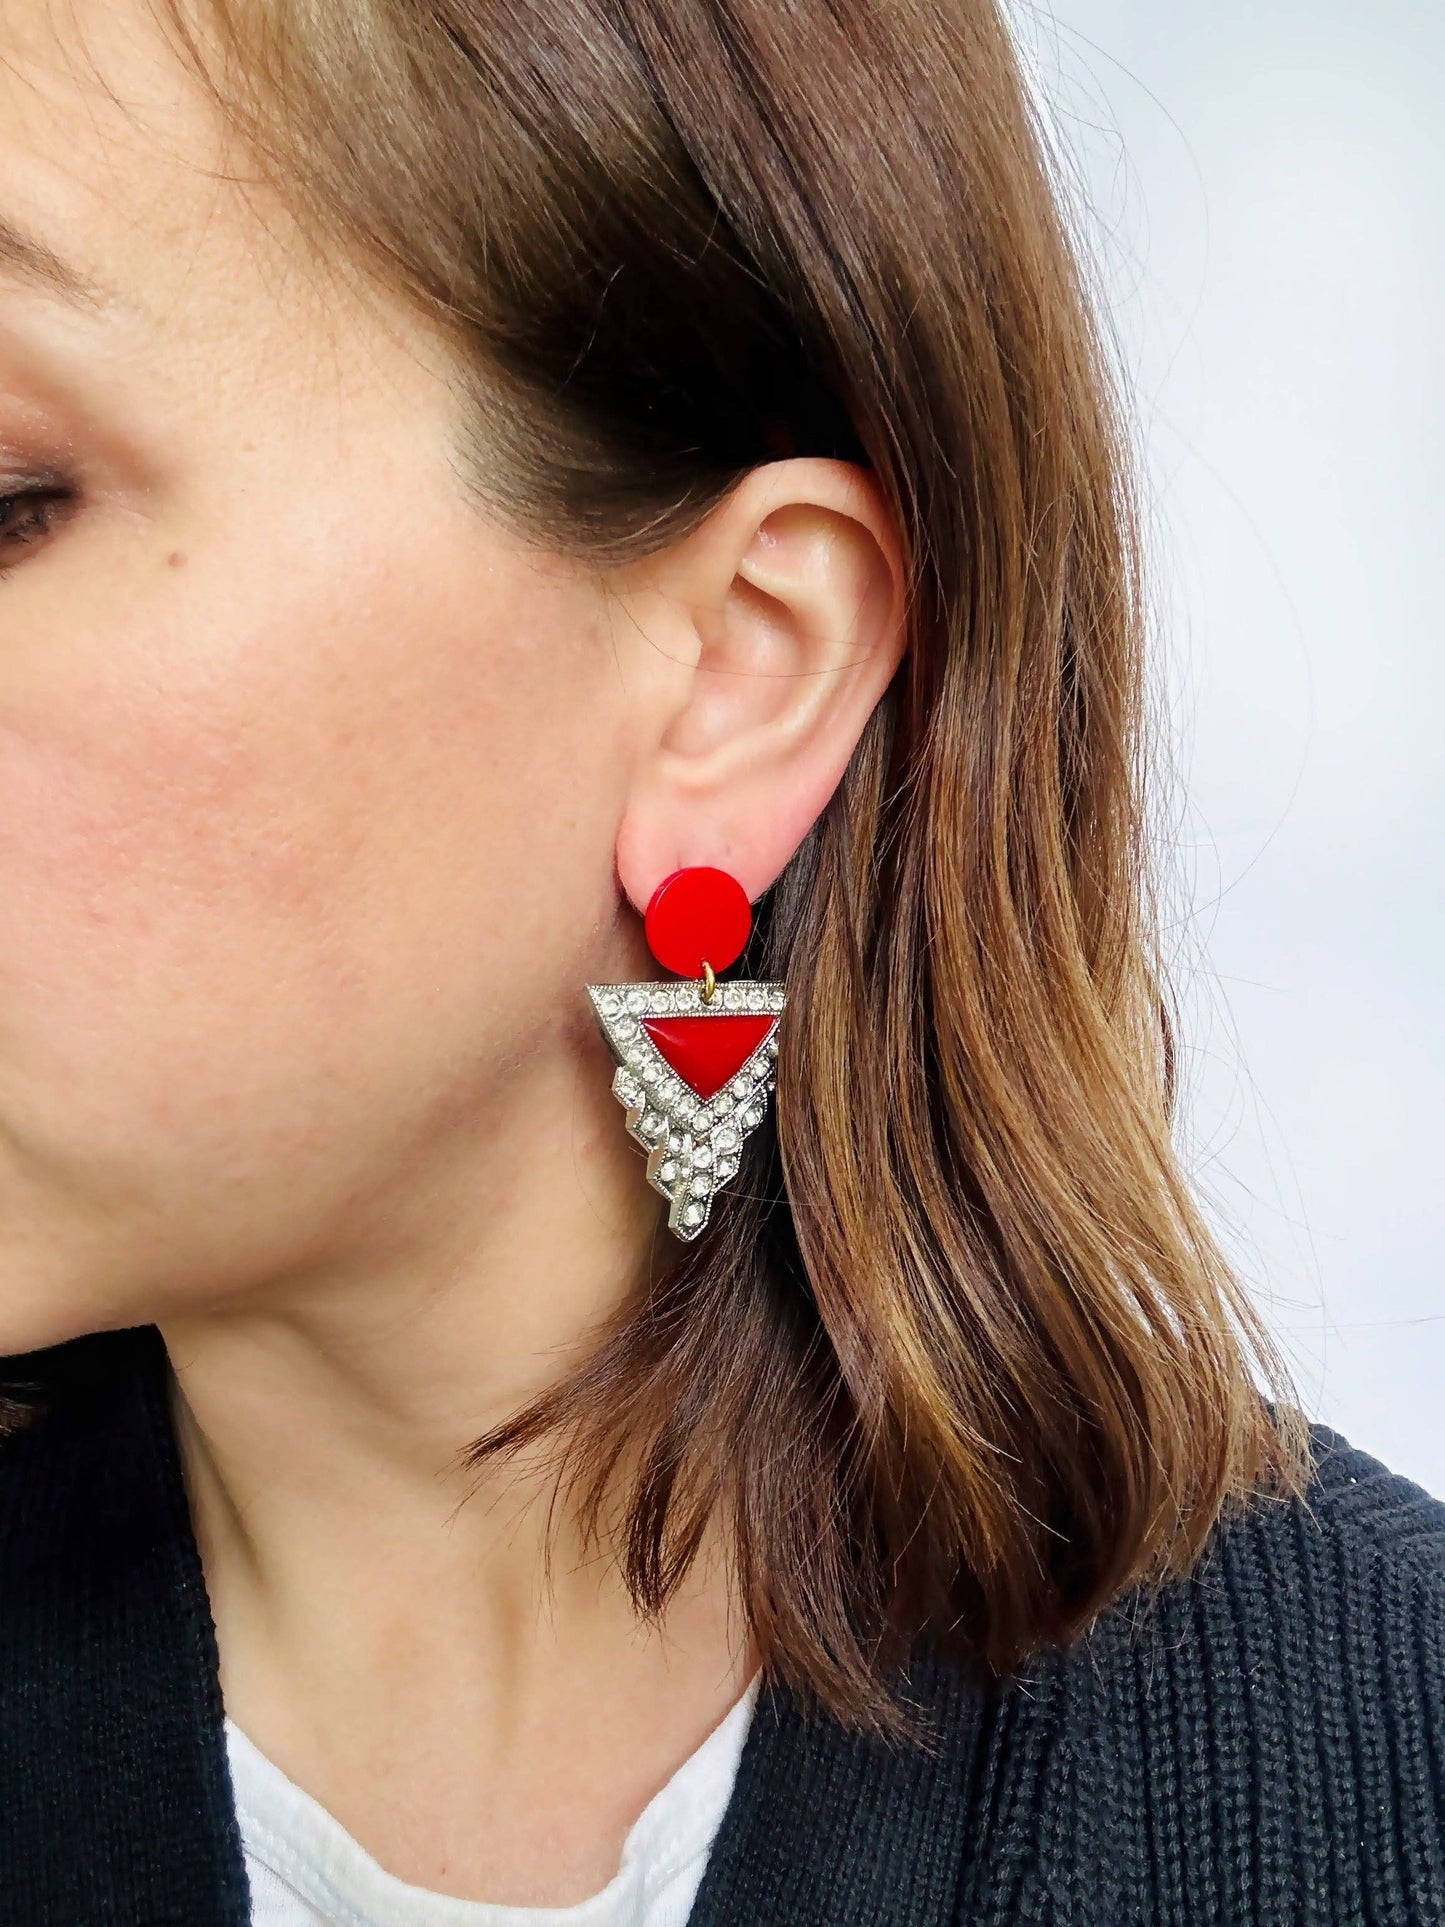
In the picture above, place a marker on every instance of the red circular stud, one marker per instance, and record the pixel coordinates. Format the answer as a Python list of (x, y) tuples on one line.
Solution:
[(698, 916)]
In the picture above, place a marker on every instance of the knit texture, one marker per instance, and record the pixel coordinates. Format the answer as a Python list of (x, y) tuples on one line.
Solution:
[(1261, 1744), (115, 1794)]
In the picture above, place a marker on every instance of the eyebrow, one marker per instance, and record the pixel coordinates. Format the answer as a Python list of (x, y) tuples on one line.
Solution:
[(24, 258)]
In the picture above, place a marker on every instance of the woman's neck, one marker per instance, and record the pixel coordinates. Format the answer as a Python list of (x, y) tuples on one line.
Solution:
[(484, 1722)]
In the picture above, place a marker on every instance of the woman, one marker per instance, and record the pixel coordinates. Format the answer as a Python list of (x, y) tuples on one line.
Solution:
[(490, 494)]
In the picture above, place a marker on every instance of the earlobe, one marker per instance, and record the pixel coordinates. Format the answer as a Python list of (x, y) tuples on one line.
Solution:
[(787, 616)]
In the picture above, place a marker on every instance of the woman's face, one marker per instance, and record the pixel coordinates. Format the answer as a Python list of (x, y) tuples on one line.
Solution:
[(309, 774)]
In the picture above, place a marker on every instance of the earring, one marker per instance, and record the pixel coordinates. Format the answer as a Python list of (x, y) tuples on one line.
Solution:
[(695, 1061)]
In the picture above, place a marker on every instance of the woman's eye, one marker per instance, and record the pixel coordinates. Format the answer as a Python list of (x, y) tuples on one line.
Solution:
[(27, 516)]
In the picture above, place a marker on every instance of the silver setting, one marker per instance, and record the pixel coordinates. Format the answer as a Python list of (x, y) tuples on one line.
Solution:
[(694, 1145)]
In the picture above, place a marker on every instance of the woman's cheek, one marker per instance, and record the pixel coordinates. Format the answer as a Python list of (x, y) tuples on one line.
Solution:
[(255, 872)]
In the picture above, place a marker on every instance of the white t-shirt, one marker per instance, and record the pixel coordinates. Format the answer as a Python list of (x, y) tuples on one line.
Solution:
[(305, 1869)]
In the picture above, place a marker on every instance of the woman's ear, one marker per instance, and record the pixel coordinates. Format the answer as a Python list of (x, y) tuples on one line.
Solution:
[(765, 640)]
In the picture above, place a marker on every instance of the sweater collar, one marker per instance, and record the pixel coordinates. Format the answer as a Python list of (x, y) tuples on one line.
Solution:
[(113, 1775), (830, 1827)]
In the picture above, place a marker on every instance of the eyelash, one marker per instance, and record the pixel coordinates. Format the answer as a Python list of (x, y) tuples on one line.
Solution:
[(40, 504)]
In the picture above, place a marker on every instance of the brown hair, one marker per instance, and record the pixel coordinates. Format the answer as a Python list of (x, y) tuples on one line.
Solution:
[(957, 1354)]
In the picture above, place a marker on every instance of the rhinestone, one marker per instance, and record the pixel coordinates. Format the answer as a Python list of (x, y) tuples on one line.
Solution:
[(674, 1142), (692, 1214), (650, 1073), (752, 1117), (686, 1104), (700, 1187), (733, 996), (703, 1120), (775, 997), (610, 1003), (667, 1170), (625, 1085), (653, 1126), (722, 1105), (728, 1138), (702, 1157), (625, 1028), (741, 1087), (636, 1002), (727, 1165)]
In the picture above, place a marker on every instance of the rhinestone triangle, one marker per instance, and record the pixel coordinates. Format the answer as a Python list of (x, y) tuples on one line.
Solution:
[(694, 1139)]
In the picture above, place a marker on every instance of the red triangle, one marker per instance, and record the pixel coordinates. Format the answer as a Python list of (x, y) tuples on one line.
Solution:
[(706, 1051)]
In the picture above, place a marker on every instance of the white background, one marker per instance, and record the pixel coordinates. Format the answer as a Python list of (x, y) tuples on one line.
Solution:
[(1267, 181)]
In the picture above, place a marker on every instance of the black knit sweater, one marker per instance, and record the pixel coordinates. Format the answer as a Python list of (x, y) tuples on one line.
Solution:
[(1264, 1744)]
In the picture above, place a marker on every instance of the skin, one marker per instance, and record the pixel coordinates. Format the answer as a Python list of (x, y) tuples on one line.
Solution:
[(322, 795)]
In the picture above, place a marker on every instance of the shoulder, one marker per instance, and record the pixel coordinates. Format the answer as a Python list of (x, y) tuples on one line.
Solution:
[(1355, 1563), (1364, 1509), (1305, 1601), (1260, 1743), (1273, 1724), (1375, 1513)]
